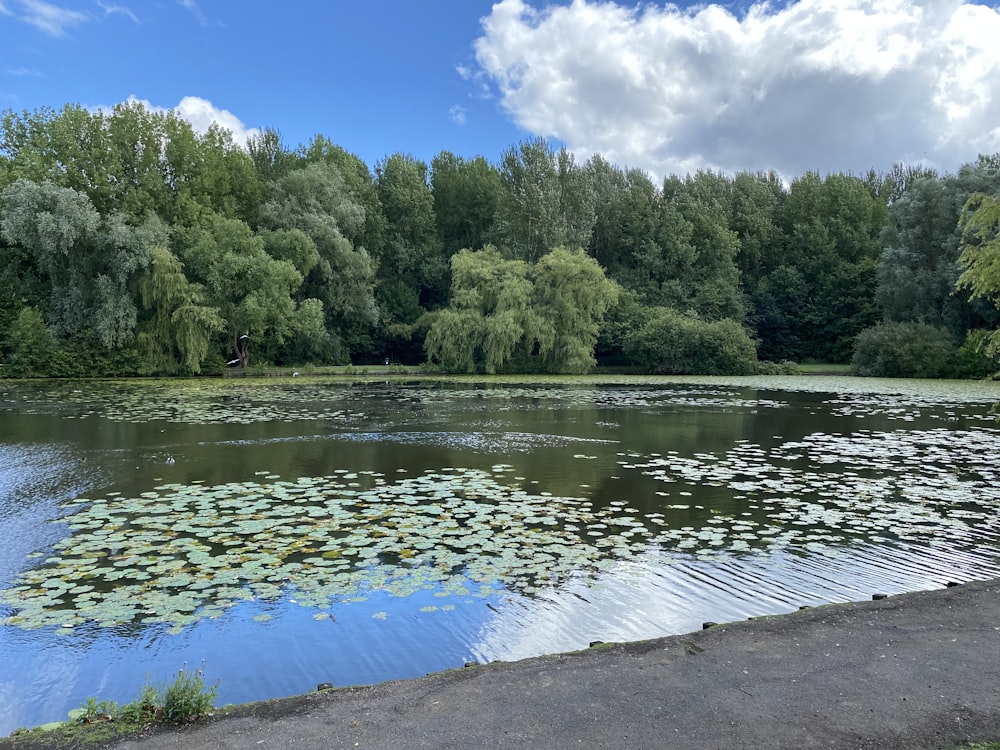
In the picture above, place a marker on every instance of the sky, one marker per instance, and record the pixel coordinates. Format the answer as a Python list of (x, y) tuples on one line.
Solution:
[(796, 86)]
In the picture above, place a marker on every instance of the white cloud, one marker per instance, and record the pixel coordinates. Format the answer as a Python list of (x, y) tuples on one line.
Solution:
[(813, 84), (457, 114), (201, 113), (192, 6), (120, 10), (477, 77), (54, 20)]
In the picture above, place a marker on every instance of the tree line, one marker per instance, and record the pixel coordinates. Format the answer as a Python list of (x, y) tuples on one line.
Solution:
[(129, 244)]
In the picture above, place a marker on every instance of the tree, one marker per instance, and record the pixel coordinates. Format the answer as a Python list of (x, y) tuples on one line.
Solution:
[(547, 201), (182, 329), (270, 158), (626, 223), (317, 201), (412, 250), (33, 350), (90, 265), (467, 195), (755, 205), (917, 269), (830, 229), (698, 250), (903, 350), (506, 315), (252, 291), (571, 295), (489, 317), (980, 257), (132, 161), (360, 189)]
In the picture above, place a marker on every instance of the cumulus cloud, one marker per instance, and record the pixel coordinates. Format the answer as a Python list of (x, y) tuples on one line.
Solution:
[(820, 85), (457, 114), (201, 113)]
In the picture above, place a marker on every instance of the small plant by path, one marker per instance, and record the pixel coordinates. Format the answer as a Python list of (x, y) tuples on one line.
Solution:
[(185, 699)]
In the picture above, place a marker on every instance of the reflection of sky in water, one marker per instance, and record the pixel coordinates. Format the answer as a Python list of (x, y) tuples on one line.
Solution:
[(479, 441), (667, 594), (34, 481)]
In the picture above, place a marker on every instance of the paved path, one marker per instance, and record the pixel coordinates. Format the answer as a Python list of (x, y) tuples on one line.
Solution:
[(911, 671)]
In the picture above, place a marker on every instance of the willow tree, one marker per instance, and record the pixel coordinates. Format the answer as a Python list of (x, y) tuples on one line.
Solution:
[(183, 326), (571, 294), (489, 316), (89, 263), (508, 315)]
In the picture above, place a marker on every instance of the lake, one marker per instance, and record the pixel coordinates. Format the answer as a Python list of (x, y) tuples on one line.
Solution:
[(282, 533)]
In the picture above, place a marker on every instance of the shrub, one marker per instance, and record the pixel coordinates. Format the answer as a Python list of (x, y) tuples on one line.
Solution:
[(973, 360), (903, 350), (671, 342), (187, 697), (33, 349)]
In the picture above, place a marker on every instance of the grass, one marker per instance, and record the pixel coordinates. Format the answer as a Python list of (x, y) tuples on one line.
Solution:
[(185, 699), (824, 368)]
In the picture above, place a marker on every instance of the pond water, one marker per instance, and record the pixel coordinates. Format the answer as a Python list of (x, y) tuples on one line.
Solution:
[(284, 533)]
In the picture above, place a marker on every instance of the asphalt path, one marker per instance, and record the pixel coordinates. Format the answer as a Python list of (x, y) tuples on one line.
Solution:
[(911, 671)]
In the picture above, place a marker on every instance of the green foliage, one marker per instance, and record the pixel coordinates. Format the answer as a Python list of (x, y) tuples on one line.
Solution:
[(318, 201), (147, 247), (143, 711), (184, 699), (187, 697), (570, 298), (179, 335), (467, 195), (973, 360), (903, 350), (507, 313), (33, 350), (89, 263), (980, 257), (675, 343), (489, 316), (94, 710), (547, 201)]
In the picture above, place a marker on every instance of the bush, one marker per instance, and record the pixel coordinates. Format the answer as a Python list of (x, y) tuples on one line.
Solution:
[(903, 350), (972, 359), (671, 342), (33, 349), (185, 699)]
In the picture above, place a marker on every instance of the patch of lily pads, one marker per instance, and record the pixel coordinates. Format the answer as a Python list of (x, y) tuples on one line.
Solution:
[(348, 405), (921, 487), (180, 553), (194, 402)]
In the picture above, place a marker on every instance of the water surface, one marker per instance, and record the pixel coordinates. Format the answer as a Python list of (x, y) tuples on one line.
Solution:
[(284, 533)]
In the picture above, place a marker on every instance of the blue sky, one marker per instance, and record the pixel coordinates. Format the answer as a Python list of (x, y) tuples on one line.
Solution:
[(821, 85), (374, 77)]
